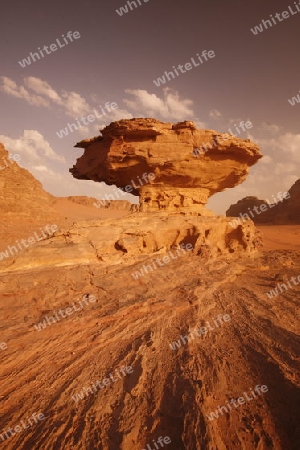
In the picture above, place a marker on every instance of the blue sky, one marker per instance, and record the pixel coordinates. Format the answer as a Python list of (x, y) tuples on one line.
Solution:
[(116, 60)]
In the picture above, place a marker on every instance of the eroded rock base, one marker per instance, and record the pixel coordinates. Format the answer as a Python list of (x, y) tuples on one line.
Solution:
[(190, 200), (134, 238)]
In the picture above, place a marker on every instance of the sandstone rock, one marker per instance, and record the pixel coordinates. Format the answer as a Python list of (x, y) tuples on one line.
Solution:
[(82, 200), (26, 206), (21, 194), (114, 205), (243, 206), (183, 182), (136, 322), (118, 205), (133, 238), (292, 204)]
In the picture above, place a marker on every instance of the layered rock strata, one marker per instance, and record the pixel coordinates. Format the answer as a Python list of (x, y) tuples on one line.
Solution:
[(135, 238), (128, 150)]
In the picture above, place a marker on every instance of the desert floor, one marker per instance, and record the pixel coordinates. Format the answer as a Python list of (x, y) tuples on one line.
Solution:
[(132, 323), (280, 237)]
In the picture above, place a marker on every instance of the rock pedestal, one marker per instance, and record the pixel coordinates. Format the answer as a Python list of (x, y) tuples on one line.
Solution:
[(183, 180), (188, 200)]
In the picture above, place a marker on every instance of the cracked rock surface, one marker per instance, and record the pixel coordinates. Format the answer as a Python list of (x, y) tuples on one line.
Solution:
[(128, 149)]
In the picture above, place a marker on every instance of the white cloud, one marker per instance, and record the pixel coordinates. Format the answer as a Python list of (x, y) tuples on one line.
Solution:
[(235, 121), (42, 87), (271, 127), (259, 177), (32, 147), (44, 173), (289, 180), (11, 88), (285, 167), (215, 114), (63, 184), (171, 107), (278, 170), (287, 143), (40, 168), (201, 125), (39, 92), (290, 143), (118, 114), (83, 131), (74, 104), (266, 159)]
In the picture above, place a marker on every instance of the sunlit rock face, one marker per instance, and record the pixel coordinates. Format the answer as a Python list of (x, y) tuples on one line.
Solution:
[(183, 178), (20, 193)]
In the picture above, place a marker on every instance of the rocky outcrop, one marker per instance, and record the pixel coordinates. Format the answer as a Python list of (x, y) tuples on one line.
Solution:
[(244, 206), (198, 332), (129, 151), (285, 211), (182, 373), (113, 205), (292, 204), (136, 237), (117, 205), (82, 200), (21, 193), (124, 240)]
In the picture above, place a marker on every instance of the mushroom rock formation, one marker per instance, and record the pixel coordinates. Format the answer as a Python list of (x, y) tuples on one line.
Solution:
[(127, 150)]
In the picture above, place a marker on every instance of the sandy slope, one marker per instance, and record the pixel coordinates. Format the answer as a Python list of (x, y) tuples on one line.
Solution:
[(65, 214), (132, 323), (69, 209)]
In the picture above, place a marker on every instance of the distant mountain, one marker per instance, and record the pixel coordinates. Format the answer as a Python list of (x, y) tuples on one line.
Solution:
[(286, 211)]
